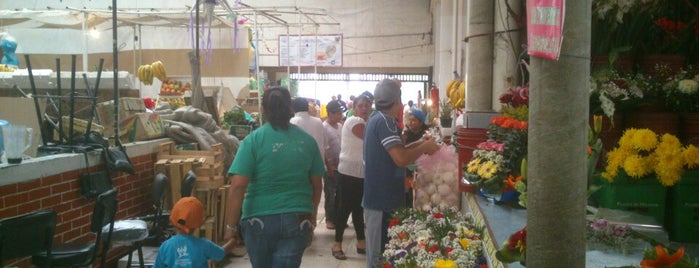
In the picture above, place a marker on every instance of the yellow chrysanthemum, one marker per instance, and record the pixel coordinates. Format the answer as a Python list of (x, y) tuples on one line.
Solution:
[(487, 170), (441, 263), (690, 156), (644, 140), (625, 139), (464, 243), (669, 174), (637, 166)]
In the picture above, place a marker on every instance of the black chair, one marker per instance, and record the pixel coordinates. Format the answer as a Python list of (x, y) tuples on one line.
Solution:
[(26, 235), (157, 223), (188, 184), (84, 254)]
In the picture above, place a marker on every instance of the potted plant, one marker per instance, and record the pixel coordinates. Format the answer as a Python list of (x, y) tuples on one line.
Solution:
[(445, 113)]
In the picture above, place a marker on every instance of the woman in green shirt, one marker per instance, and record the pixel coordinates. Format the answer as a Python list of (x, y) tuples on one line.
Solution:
[(276, 183)]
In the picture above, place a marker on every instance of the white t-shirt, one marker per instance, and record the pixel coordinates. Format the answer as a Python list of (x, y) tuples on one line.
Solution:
[(313, 126), (332, 153), (351, 149)]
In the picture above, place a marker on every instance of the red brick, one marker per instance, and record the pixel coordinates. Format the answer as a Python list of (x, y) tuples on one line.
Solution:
[(72, 175), (51, 201), (16, 199), (29, 207), (9, 189), (51, 180), (68, 216), (7, 212), (28, 185), (58, 188), (39, 193)]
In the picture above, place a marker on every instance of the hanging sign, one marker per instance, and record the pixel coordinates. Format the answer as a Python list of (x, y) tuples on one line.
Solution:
[(310, 50), (545, 27)]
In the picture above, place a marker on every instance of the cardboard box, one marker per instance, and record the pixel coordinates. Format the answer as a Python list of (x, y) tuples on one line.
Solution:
[(143, 126), (127, 107), (79, 127)]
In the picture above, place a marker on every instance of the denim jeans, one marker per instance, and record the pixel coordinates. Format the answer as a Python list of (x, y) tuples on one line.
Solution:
[(277, 241)]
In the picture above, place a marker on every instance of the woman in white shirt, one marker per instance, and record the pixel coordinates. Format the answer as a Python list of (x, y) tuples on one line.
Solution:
[(351, 178)]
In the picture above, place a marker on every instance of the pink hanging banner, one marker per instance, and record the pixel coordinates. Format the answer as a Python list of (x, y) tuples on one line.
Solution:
[(545, 27)]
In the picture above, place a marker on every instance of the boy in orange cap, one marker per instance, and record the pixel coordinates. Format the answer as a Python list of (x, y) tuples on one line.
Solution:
[(185, 250)]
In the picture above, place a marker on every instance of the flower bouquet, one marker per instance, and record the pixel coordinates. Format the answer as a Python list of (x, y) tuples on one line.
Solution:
[(681, 90), (514, 249), (641, 153), (440, 237), (603, 235)]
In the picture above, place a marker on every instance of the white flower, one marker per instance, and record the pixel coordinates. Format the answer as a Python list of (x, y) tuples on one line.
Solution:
[(688, 86), (607, 105)]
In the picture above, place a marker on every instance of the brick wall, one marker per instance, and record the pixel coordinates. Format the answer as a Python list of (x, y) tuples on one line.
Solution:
[(60, 193)]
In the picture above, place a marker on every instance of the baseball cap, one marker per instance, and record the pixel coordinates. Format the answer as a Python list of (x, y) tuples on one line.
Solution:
[(387, 91), (420, 115), (187, 214), (334, 107)]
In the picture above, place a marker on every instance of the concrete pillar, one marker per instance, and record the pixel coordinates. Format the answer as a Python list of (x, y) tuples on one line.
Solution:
[(479, 56), (444, 46), (557, 151)]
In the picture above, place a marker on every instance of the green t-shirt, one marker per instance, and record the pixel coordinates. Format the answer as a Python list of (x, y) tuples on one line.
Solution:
[(279, 164)]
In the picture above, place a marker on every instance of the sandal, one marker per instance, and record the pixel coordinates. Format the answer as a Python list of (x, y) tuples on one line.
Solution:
[(339, 254), (361, 250)]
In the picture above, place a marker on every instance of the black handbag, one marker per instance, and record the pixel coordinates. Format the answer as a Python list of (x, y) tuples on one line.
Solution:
[(117, 159), (93, 184)]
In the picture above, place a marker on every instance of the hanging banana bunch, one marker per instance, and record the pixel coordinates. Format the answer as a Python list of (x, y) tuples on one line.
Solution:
[(145, 74), (456, 93), (159, 70)]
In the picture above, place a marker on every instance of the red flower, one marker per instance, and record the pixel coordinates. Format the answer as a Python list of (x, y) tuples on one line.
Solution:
[(393, 222), (387, 266), (663, 260), (432, 249), (150, 104), (518, 239), (438, 215)]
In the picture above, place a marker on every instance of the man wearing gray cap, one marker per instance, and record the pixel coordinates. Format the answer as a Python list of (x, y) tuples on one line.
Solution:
[(385, 158)]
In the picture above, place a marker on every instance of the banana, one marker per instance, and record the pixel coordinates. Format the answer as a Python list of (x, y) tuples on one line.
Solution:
[(159, 70), (149, 72), (450, 87), (139, 73)]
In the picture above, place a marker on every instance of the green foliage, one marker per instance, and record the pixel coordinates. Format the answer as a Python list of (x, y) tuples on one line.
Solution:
[(235, 116)]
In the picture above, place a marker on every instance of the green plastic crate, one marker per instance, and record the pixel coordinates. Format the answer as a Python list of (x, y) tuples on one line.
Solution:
[(240, 131), (683, 217), (644, 196)]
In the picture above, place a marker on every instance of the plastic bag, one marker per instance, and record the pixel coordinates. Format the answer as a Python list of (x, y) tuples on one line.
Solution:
[(437, 183), (127, 231)]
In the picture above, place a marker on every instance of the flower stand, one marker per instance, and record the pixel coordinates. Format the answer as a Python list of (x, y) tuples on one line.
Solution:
[(644, 196), (683, 214)]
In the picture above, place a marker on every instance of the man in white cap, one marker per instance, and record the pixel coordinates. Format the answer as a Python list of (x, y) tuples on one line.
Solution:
[(385, 158)]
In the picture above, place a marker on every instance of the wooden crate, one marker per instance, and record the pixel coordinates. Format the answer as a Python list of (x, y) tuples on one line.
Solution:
[(175, 170), (209, 188), (167, 150)]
